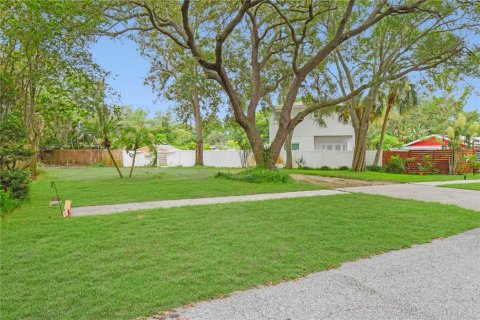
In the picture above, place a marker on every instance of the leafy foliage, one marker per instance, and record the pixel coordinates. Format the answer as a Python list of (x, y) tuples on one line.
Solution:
[(15, 182), (395, 164), (257, 175)]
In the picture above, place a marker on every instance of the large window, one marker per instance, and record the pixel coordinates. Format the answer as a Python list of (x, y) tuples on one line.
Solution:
[(334, 147)]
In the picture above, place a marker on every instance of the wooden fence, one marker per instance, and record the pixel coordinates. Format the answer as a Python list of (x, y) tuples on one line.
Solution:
[(439, 158), (80, 157)]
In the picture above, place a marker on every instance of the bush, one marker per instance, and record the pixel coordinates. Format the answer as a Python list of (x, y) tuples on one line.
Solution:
[(374, 168), (325, 168), (300, 162), (16, 183), (395, 165), (343, 168), (257, 175), (7, 204), (97, 165)]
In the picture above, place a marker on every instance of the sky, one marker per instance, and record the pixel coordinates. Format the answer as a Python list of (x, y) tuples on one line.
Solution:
[(128, 70)]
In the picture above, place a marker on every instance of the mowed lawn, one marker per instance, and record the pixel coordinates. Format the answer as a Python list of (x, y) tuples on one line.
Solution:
[(139, 263), (468, 186), (91, 186), (383, 176)]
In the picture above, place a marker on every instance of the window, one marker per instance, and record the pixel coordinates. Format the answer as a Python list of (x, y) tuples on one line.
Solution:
[(295, 146)]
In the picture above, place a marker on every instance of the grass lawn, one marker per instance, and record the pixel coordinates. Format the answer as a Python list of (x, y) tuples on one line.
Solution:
[(468, 186), (91, 186), (136, 264), (383, 176)]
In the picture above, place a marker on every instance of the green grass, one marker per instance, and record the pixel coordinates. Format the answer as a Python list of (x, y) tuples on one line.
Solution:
[(91, 186), (257, 175), (468, 186), (135, 264), (383, 176)]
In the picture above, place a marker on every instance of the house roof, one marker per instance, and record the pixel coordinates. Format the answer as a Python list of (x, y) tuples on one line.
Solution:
[(433, 140)]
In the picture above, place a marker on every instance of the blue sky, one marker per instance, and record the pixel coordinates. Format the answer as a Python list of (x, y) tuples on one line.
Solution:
[(128, 70)]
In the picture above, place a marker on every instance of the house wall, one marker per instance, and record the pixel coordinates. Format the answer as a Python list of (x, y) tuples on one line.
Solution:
[(306, 131)]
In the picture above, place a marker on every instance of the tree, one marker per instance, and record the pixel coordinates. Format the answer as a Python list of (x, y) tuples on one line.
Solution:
[(176, 76), (455, 142), (107, 124), (400, 95), (276, 35), (419, 42), (135, 133), (43, 44)]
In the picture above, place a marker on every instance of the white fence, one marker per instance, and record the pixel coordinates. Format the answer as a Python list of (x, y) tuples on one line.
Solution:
[(212, 158), (142, 159), (231, 158)]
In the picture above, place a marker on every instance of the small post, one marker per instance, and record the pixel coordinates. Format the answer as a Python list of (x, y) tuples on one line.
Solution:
[(54, 186)]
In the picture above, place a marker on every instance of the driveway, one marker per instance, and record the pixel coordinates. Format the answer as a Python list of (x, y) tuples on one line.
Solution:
[(469, 199), (439, 280)]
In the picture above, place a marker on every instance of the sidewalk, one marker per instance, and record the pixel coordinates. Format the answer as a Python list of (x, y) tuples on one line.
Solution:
[(117, 208)]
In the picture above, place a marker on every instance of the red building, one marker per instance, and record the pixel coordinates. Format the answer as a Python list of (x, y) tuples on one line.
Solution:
[(431, 142)]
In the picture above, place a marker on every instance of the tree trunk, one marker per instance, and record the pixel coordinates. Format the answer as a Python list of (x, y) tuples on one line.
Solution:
[(115, 163), (359, 152), (382, 135), (133, 162), (198, 129), (288, 149), (258, 150)]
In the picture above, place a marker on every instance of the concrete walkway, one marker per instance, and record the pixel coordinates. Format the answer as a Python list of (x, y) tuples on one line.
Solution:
[(469, 199), (439, 280), (442, 183), (117, 208)]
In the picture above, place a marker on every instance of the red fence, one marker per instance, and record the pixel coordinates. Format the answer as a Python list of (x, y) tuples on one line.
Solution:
[(80, 157), (439, 158)]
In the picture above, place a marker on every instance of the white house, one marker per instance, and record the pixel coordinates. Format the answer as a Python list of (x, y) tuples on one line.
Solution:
[(310, 136)]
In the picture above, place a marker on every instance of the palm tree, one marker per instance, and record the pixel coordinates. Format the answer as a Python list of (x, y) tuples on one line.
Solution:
[(135, 133), (401, 95), (106, 127)]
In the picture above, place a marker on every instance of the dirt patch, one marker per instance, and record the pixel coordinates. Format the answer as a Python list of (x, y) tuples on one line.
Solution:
[(334, 182)]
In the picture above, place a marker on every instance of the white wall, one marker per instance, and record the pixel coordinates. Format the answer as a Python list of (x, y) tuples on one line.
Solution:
[(332, 159), (141, 160), (212, 158), (231, 158)]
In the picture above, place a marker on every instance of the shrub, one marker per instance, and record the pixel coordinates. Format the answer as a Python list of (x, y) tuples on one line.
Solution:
[(97, 165), (395, 165), (343, 168), (325, 168), (16, 183), (427, 165), (408, 164), (7, 204), (374, 168), (300, 162), (257, 175)]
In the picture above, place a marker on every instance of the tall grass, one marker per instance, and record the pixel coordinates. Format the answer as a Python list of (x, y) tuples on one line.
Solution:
[(257, 175)]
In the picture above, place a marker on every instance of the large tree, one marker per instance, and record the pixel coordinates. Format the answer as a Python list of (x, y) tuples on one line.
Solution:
[(43, 45), (175, 76), (262, 36), (421, 42)]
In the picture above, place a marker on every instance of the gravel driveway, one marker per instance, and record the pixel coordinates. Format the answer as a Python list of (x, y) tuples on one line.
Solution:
[(439, 280)]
